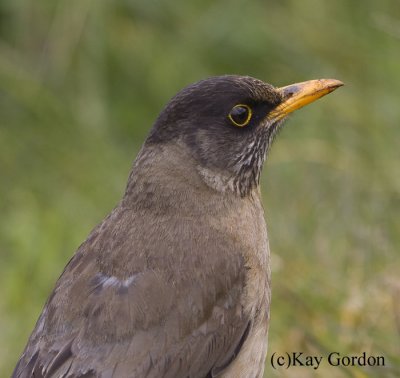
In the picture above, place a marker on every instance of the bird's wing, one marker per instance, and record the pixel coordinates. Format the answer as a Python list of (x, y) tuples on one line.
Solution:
[(142, 302)]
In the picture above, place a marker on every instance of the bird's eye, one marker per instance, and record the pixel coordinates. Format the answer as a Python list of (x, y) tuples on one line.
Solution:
[(240, 115)]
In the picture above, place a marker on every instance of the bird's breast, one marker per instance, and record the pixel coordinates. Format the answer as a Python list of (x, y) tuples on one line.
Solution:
[(251, 228)]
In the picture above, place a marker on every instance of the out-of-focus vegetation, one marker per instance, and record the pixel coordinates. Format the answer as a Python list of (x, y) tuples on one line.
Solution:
[(81, 82)]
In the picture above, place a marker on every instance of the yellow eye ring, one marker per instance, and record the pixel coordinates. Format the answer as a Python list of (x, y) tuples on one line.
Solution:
[(240, 115)]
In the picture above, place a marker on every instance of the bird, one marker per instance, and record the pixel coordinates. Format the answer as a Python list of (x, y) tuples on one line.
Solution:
[(176, 280)]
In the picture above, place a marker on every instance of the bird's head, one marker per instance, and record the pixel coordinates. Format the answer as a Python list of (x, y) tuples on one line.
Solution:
[(228, 123)]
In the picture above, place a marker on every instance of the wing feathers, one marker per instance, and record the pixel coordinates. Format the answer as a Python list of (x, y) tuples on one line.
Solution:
[(160, 310)]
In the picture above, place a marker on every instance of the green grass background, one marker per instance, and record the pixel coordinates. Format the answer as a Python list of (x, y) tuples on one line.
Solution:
[(81, 82)]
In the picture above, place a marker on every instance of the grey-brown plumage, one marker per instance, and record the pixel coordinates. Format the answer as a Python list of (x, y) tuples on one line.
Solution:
[(175, 282)]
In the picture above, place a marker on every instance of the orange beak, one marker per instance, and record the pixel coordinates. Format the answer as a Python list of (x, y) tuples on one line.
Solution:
[(297, 95)]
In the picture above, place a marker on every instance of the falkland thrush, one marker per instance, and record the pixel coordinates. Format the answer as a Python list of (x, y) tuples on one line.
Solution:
[(175, 282)]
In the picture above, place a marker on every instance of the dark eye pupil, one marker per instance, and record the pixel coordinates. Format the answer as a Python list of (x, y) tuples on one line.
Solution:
[(240, 114)]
